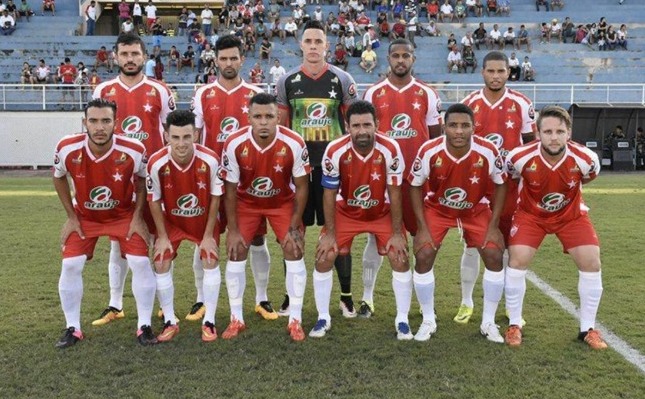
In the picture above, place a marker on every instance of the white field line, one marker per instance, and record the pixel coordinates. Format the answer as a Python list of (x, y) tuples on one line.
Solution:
[(618, 344)]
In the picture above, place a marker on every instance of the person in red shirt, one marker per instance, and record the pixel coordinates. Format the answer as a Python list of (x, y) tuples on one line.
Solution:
[(399, 30), (459, 167), (184, 192), (106, 170), (67, 74), (102, 59), (256, 74), (267, 177), (551, 172), (362, 176)]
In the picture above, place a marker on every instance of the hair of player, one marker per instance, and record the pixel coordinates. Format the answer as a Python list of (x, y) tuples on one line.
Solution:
[(228, 41), (180, 118), (129, 39), (263, 99), (313, 24), (360, 107), (554, 111), (495, 56), (459, 108), (400, 41), (100, 103)]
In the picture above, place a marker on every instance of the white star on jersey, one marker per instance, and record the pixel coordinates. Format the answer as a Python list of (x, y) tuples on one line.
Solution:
[(375, 176), (474, 179), (510, 124), (245, 109), (277, 167), (416, 105), (572, 184), (117, 176), (332, 93), (201, 185), (147, 107)]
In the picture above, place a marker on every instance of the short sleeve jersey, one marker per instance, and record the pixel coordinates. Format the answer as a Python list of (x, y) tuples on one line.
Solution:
[(103, 187), (221, 112), (362, 181), (264, 176), (457, 186), (185, 192), (316, 105), (503, 122), (552, 192), (141, 109), (405, 114)]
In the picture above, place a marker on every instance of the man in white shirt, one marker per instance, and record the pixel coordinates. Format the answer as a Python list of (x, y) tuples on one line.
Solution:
[(454, 60), (509, 38), (151, 14), (90, 18), (412, 27), (207, 20), (290, 29), (298, 14), (42, 74), (467, 41), (127, 26), (514, 68), (555, 30), (446, 11), (137, 14), (276, 72), (7, 23), (495, 37)]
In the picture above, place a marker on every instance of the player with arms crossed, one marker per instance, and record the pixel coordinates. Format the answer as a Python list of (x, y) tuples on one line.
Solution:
[(184, 192), (142, 107), (551, 172), (411, 110), (220, 109), (313, 99), (459, 167), (362, 175), (506, 118), (106, 170), (267, 176)]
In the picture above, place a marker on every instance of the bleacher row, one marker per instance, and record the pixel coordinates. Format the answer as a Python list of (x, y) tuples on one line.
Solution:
[(52, 38)]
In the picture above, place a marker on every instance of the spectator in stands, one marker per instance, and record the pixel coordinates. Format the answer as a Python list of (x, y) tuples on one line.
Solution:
[(24, 10), (151, 15), (399, 30), (639, 146), (602, 42), (527, 70), (297, 14), (83, 82), (413, 24), (7, 23), (602, 27), (102, 59), (622, 36), (397, 10), (90, 18), (260, 12), (495, 38), (581, 33), (555, 30), (80, 68), (188, 59), (265, 49), (612, 38), (256, 74), (276, 72), (182, 22), (207, 20), (205, 56), (13, 10), (368, 59), (432, 30), (137, 15), (504, 7), (544, 32), (471, 7), (159, 68), (452, 42), (455, 62), (568, 30), (341, 58), (149, 68), (94, 80), (26, 75), (510, 38), (491, 7), (362, 21), (290, 29), (446, 12), (480, 36), (433, 10), (469, 59), (157, 31), (514, 68), (460, 11), (67, 75), (249, 43), (48, 5), (539, 3), (559, 4), (174, 59), (41, 74), (127, 26), (410, 7), (467, 41), (124, 12), (523, 38)]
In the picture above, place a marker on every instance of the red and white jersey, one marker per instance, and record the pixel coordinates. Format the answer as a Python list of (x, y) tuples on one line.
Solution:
[(221, 112), (405, 114), (552, 192), (103, 187), (264, 176), (185, 192), (362, 181), (503, 122), (141, 109), (457, 186)]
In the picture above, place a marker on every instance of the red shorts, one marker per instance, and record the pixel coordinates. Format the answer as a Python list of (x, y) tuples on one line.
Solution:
[(473, 227), (176, 236), (348, 228), (409, 220), (117, 231), (250, 220), (150, 22), (222, 222), (529, 230)]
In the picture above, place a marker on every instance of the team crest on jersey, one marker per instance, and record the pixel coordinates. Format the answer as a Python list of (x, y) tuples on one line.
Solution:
[(400, 127), (152, 92), (78, 159), (121, 159), (131, 127), (349, 159), (305, 155), (202, 168), (455, 198), (111, 93), (496, 139), (512, 109), (479, 163), (335, 79), (575, 169), (328, 165), (245, 152), (188, 207), (531, 112), (395, 164), (438, 162), (282, 152), (296, 79), (533, 167), (101, 199), (419, 93), (166, 171), (476, 110), (226, 127), (262, 187), (378, 160), (211, 94), (362, 198), (553, 202), (381, 93), (416, 166), (316, 116)]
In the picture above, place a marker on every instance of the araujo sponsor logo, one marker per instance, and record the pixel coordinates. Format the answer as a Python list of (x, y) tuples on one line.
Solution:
[(131, 127), (101, 199), (262, 187), (362, 198), (454, 198), (401, 127), (188, 206), (553, 202), (316, 116), (226, 127)]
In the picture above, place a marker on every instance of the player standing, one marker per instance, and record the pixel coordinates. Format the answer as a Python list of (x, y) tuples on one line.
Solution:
[(551, 172), (362, 175), (409, 111), (222, 108), (506, 118), (313, 99), (184, 193), (106, 170), (142, 107), (459, 167), (267, 173)]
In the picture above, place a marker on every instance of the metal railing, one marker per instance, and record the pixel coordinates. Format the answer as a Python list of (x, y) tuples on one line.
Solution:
[(52, 97)]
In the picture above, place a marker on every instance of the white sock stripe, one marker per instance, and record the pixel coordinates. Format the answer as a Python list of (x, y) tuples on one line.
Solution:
[(493, 276), (425, 278), (403, 277), (323, 276), (236, 267), (295, 266)]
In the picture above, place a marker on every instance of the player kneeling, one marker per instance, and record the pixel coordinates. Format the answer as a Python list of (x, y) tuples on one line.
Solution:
[(184, 190), (362, 175)]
